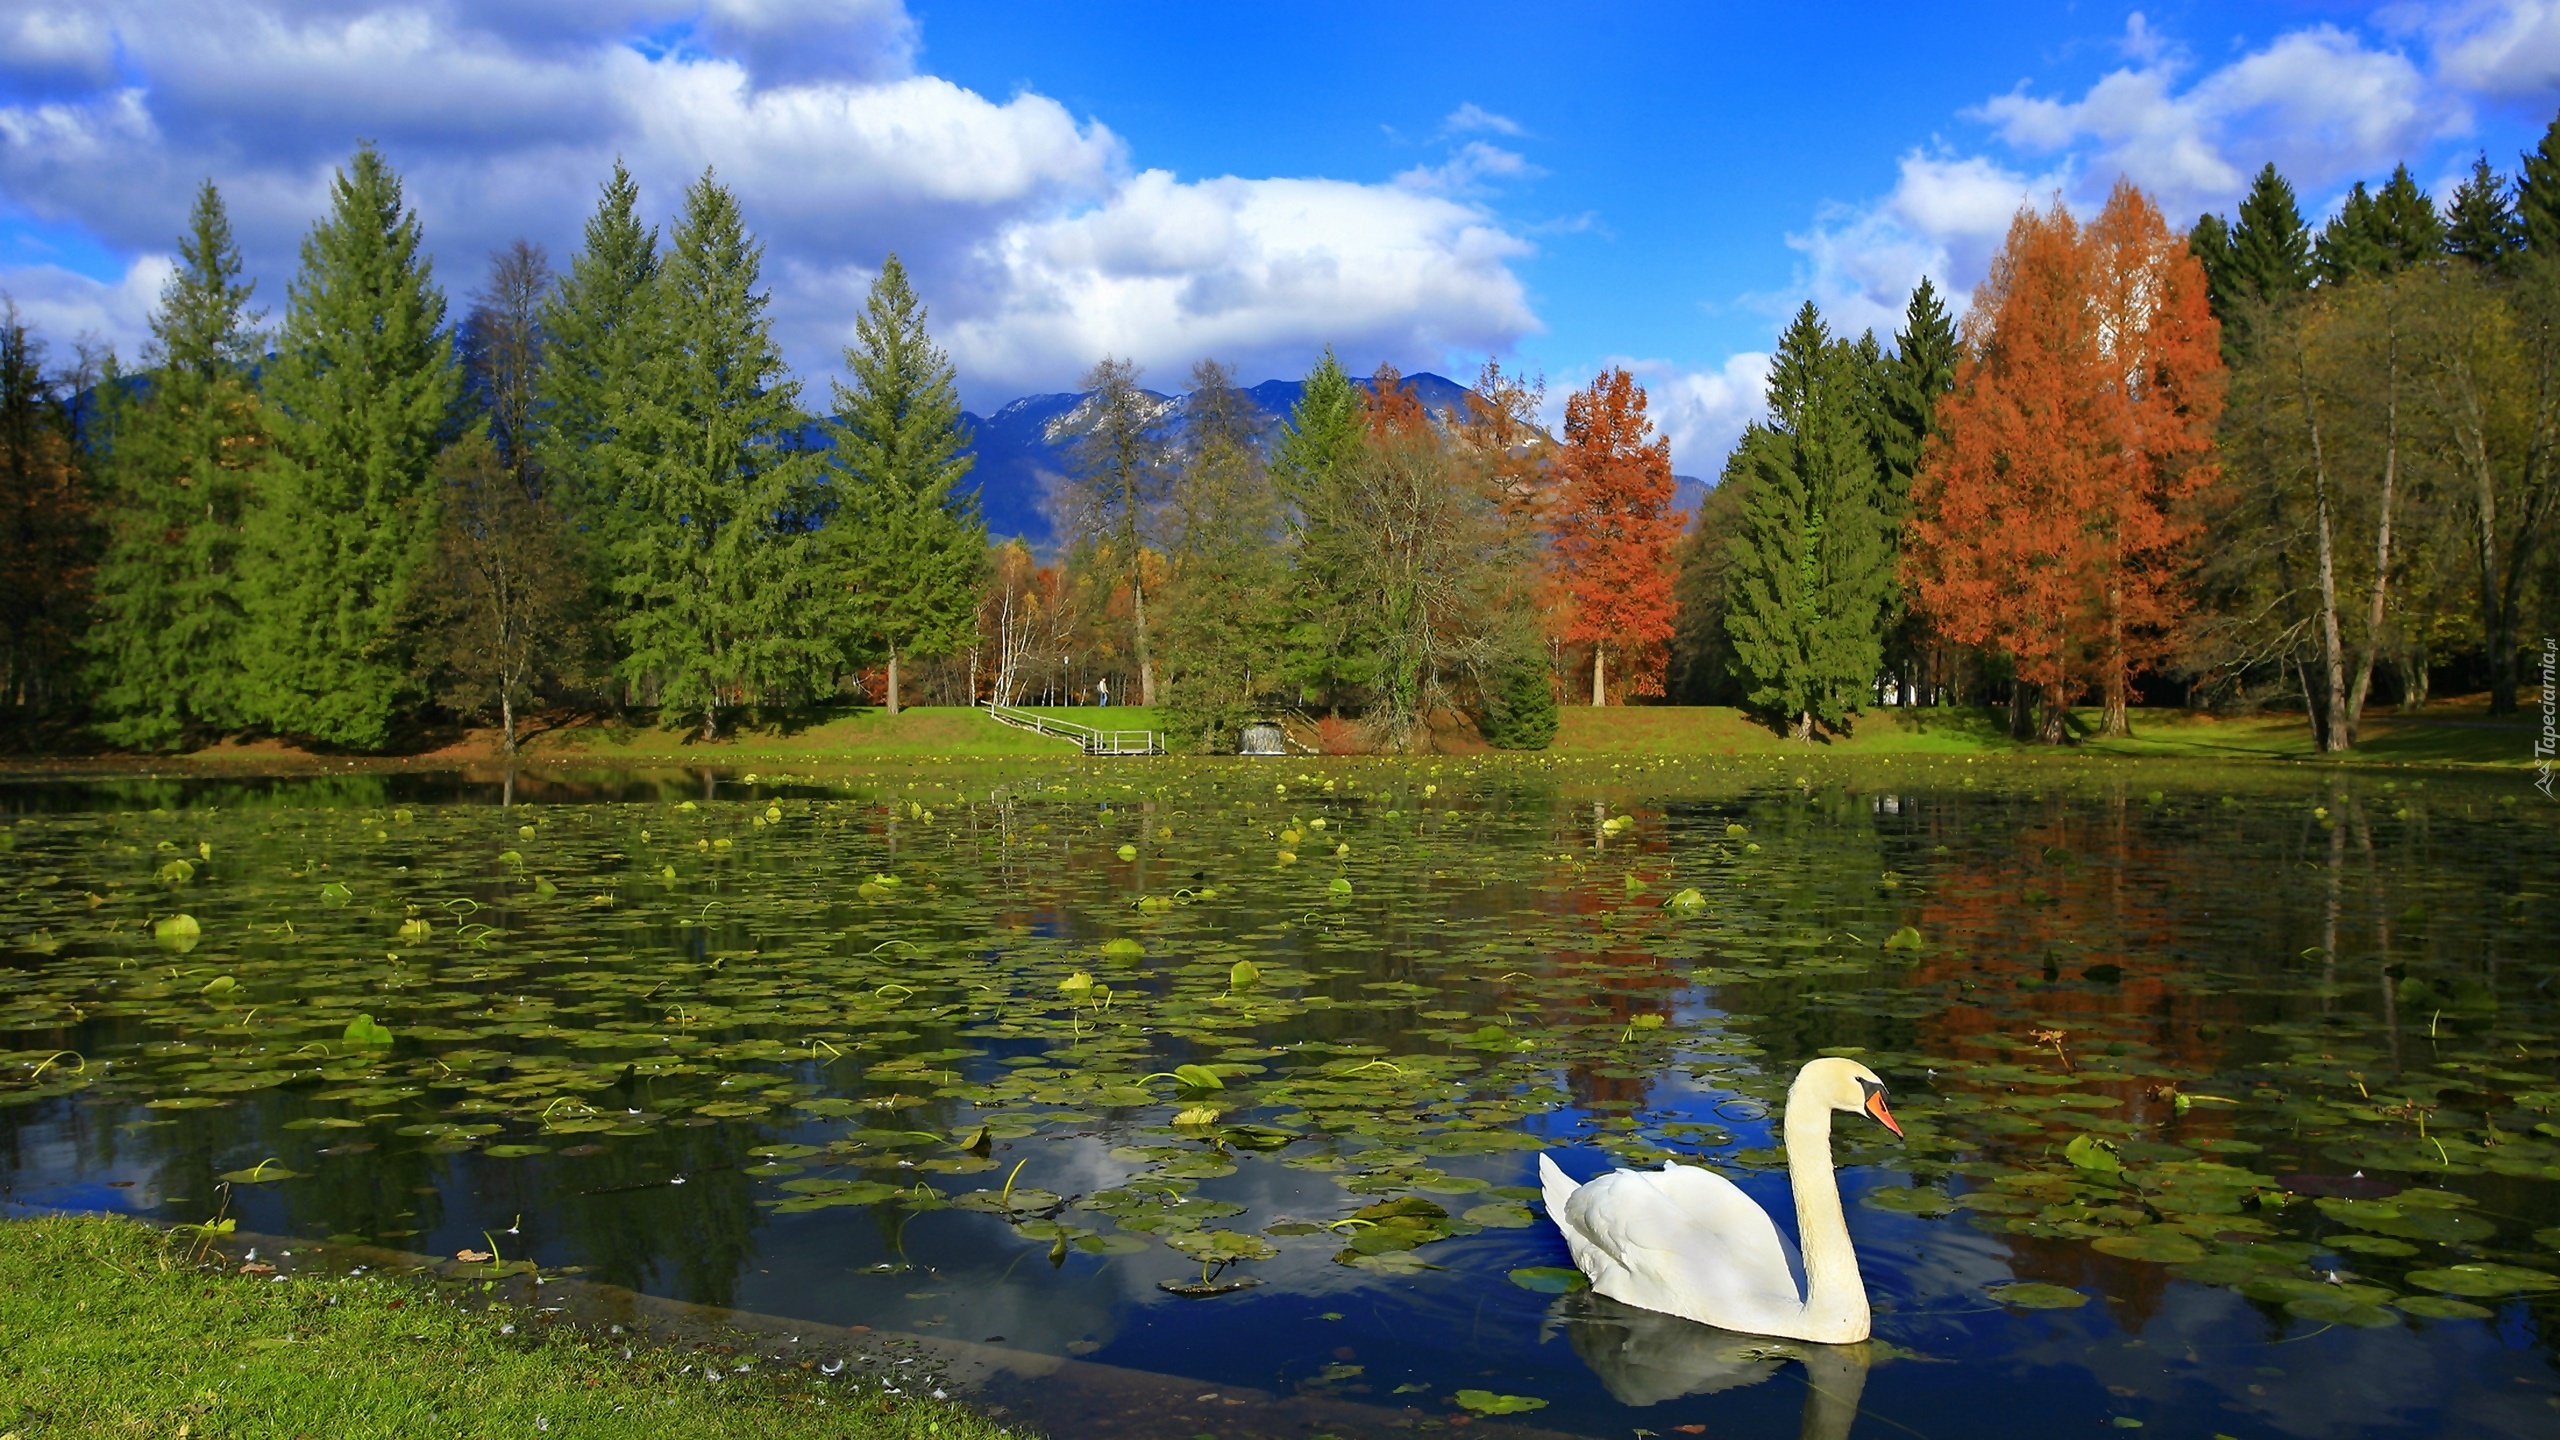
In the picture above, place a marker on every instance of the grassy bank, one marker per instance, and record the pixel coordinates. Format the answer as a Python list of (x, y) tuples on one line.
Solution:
[(2458, 732), (108, 1327)]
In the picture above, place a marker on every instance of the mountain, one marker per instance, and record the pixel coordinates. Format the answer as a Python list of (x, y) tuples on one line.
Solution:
[(1023, 449)]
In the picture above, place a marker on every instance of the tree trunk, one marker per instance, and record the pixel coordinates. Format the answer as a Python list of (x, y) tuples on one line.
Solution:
[(711, 720), (893, 679), (2375, 609), (2333, 675), (1599, 675), (2112, 720), (507, 721), (1146, 660), (2021, 710), (1802, 729), (2051, 729)]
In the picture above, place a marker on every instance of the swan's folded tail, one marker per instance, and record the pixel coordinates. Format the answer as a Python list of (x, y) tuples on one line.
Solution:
[(1559, 1188)]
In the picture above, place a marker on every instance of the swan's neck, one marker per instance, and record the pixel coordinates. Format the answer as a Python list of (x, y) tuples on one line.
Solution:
[(1835, 1300)]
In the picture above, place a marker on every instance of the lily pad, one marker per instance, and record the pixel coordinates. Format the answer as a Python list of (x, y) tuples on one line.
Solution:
[(2482, 1279), (2035, 1295), (1486, 1402), (1550, 1279)]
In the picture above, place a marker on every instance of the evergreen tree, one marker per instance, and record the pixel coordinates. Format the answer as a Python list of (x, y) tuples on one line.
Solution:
[(598, 325), (2381, 232), (1315, 456), (1919, 373), (1811, 568), (2480, 225), (2349, 245), (2270, 246), (1922, 370), (46, 539), (725, 591), (2538, 195), (165, 658), (914, 544), (1222, 618), (360, 394)]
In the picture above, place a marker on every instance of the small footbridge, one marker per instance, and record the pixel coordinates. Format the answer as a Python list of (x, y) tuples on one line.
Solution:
[(1091, 739)]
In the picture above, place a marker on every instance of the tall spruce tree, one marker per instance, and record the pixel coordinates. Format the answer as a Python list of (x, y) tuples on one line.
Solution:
[(2480, 224), (726, 593), (1315, 455), (912, 543), (2258, 262), (1811, 569), (164, 649), (1916, 376), (2538, 195), (360, 395), (2380, 232), (599, 325)]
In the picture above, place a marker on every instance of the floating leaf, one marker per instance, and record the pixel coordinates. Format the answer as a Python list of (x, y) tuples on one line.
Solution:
[(2484, 1280), (1906, 938), (176, 872), (2089, 1152), (1486, 1402), (2157, 1244), (2035, 1295), (365, 1030), (1128, 852), (1198, 1077), (1244, 976), (1196, 1115), (1550, 1279), (335, 893), (2437, 1307), (1123, 948), (177, 932), (1340, 886), (1686, 902)]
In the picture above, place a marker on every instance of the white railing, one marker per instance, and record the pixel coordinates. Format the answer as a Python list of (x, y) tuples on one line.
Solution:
[(1093, 740)]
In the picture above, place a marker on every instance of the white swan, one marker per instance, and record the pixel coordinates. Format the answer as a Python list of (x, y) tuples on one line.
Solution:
[(1686, 1241)]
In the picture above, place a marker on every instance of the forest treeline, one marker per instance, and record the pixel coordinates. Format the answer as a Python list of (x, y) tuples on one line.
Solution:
[(2239, 466)]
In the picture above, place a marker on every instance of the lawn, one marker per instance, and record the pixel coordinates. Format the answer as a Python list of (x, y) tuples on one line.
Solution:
[(109, 1327)]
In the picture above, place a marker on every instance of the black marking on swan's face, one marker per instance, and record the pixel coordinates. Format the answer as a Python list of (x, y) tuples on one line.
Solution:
[(1875, 1106)]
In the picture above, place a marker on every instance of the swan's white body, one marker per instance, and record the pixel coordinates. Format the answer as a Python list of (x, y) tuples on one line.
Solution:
[(1686, 1241)]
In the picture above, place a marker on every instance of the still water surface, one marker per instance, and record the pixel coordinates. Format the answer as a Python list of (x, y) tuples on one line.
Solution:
[(2230, 1110)]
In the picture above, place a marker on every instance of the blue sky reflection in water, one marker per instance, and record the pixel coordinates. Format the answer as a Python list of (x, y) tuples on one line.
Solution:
[(2256, 1076)]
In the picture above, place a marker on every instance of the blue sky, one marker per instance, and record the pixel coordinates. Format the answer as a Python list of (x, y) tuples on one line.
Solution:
[(1657, 187)]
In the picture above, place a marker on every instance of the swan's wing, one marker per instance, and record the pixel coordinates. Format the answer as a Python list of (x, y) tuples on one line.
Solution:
[(1683, 1240)]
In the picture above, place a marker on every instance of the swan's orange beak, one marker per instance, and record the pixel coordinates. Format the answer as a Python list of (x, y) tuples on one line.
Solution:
[(1884, 1117)]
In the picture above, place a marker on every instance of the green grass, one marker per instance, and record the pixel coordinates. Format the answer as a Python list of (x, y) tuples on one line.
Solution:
[(107, 1327), (918, 731), (2455, 733)]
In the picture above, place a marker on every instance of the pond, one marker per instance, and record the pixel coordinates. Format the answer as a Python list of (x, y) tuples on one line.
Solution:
[(2230, 1098)]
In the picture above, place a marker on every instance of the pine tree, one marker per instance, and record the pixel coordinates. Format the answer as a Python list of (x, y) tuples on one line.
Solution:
[(1811, 569), (1315, 455), (2348, 244), (360, 394), (2480, 224), (2538, 195), (726, 592), (1921, 371), (598, 325), (912, 543), (46, 537), (165, 659), (2380, 232), (2270, 246), (1222, 619)]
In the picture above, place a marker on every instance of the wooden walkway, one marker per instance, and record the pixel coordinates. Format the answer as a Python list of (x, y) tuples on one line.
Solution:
[(1090, 739)]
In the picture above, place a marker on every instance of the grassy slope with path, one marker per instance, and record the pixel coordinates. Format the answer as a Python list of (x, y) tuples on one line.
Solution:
[(106, 1327)]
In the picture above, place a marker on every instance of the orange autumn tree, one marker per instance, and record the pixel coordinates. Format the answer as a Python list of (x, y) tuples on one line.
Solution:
[(1612, 528), (2050, 520)]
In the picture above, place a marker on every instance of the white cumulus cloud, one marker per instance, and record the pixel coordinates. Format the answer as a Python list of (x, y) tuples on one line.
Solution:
[(1031, 235)]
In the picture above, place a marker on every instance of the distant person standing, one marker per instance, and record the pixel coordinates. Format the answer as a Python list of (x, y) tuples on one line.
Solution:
[(1102, 692)]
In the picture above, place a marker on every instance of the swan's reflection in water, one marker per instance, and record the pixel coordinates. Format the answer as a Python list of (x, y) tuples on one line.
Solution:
[(1645, 1358)]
